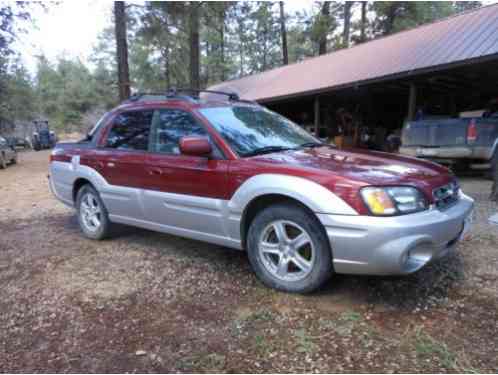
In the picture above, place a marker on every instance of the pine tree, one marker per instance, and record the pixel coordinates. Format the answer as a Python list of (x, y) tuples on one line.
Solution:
[(122, 50)]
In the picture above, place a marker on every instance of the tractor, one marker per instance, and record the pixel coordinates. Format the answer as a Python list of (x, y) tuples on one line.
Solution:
[(43, 137)]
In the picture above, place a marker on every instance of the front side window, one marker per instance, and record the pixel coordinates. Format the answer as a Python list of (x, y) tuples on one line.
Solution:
[(101, 121), (250, 130), (130, 131), (169, 125)]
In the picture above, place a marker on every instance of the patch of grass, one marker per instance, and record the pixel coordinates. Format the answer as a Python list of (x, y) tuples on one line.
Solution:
[(326, 324), (425, 345), (212, 361), (344, 325), (350, 316), (305, 342), (368, 336), (263, 345), (248, 318), (261, 316)]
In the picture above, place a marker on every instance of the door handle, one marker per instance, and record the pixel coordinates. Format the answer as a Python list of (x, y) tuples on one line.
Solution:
[(155, 171)]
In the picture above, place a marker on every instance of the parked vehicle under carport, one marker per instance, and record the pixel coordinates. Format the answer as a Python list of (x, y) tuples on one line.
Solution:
[(462, 143)]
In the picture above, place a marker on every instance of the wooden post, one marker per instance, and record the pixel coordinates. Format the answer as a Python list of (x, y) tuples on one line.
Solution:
[(412, 102), (452, 105), (317, 115)]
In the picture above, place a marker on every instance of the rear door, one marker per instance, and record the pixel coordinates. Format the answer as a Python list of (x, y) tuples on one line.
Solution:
[(183, 191), (121, 161)]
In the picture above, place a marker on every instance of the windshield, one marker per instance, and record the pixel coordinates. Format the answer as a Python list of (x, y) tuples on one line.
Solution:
[(249, 130)]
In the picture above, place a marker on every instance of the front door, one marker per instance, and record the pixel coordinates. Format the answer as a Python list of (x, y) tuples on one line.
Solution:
[(183, 191)]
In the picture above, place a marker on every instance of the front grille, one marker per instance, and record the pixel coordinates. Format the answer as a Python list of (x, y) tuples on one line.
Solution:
[(446, 195)]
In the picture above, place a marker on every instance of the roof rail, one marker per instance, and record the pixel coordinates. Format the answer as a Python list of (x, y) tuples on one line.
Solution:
[(187, 94), (231, 95)]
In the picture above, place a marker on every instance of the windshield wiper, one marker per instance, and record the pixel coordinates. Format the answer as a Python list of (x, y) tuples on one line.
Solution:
[(311, 145), (266, 150)]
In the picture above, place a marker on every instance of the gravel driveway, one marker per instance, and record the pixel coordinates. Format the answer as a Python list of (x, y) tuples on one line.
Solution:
[(148, 302)]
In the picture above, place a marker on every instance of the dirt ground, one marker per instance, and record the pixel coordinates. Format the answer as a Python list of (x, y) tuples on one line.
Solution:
[(149, 302)]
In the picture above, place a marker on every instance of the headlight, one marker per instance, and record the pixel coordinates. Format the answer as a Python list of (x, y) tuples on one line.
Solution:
[(393, 200)]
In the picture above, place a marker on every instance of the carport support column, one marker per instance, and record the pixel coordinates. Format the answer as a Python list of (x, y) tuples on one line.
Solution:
[(412, 102), (317, 115)]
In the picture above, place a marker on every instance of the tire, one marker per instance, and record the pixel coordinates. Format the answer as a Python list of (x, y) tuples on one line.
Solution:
[(281, 262), (93, 217), (3, 162), (494, 163), (490, 174), (36, 147), (14, 159)]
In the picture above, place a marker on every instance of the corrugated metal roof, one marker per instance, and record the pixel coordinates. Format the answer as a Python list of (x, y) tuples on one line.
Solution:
[(453, 40)]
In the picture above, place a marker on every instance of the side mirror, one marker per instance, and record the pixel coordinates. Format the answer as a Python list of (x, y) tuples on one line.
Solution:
[(195, 146)]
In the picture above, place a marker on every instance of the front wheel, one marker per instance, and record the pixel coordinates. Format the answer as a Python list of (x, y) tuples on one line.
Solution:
[(288, 249), (92, 214), (3, 162)]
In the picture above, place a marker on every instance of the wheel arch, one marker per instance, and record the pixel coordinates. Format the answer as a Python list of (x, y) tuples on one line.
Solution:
[(261, 202), (78, 184), (261, 190)]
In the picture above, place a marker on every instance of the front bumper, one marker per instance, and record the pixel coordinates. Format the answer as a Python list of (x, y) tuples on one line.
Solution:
[(395, 245)]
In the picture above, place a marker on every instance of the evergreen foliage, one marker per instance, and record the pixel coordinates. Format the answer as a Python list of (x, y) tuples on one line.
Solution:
[(235, 39)]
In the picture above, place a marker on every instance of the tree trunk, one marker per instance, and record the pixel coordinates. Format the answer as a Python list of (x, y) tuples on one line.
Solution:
[(222, 45), (283, 32), (363, 24), (207, 67), (122, 50), (241, 58), (347, 22), (325, 16), (391, 16), (167, 76), (194, 44)]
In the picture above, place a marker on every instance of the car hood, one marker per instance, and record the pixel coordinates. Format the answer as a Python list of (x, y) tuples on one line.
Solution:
[(365, 167)]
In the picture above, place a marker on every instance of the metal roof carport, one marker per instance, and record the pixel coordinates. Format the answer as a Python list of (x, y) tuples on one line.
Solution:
[(454, 60)]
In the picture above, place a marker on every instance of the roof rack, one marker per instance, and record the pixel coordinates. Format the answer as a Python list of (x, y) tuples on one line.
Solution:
[(231, 95), (186, 94)]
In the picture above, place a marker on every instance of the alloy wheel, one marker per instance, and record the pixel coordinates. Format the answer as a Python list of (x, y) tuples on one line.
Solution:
[(286, 251), (91, 212)]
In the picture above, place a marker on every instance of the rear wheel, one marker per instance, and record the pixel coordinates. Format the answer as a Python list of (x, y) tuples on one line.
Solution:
[(288, 249), (3, 162), (494, 163), (494, 177), (92, 214)]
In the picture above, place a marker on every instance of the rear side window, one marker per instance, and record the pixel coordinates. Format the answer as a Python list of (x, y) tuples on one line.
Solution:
[(130, 131), (169, 125)]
